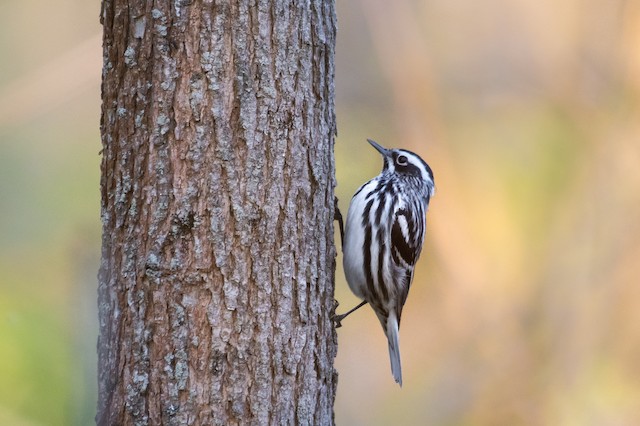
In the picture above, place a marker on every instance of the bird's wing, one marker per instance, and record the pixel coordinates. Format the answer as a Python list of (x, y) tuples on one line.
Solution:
[(407, 234)]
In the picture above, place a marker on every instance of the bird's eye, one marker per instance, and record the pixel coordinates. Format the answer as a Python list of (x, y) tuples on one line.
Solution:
[(402, 160)]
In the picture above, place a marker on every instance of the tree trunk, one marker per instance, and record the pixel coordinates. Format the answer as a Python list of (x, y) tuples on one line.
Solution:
[(217, 275)]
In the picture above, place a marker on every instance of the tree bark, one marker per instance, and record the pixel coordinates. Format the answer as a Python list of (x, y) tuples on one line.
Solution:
[(216, 284)]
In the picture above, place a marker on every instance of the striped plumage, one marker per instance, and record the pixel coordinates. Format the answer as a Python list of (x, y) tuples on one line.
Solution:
[(383, 238)]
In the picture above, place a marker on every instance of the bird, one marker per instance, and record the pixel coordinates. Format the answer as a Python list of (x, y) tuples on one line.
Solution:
[(383, 239)]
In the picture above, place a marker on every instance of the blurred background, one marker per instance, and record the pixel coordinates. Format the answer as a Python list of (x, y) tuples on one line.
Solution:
[(525, 308)]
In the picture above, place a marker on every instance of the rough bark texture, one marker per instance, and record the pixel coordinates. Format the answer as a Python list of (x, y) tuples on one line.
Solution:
[(216, 282)]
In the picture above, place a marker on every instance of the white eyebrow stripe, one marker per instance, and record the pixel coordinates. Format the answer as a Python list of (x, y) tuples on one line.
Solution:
[(418, 162)]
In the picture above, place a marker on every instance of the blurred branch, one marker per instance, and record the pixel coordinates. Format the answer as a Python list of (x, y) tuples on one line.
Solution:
[(405, 58), (631, 43), (52, 84)]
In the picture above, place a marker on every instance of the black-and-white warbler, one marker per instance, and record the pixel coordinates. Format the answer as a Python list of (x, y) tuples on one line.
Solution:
[(383, 238)]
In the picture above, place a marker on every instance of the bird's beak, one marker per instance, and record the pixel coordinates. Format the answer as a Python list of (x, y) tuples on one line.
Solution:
[(381, 150)]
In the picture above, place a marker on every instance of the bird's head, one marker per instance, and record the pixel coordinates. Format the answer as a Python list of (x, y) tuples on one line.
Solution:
[(405, 163)]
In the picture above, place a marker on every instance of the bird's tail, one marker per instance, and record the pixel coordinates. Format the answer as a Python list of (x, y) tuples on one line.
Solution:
[(394, 348)]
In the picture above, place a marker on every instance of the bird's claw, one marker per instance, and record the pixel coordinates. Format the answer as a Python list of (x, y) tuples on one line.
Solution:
[(334, 317)]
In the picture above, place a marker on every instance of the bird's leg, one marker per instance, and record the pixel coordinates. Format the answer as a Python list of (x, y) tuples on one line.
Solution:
[(338, 318), (338, 216)]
